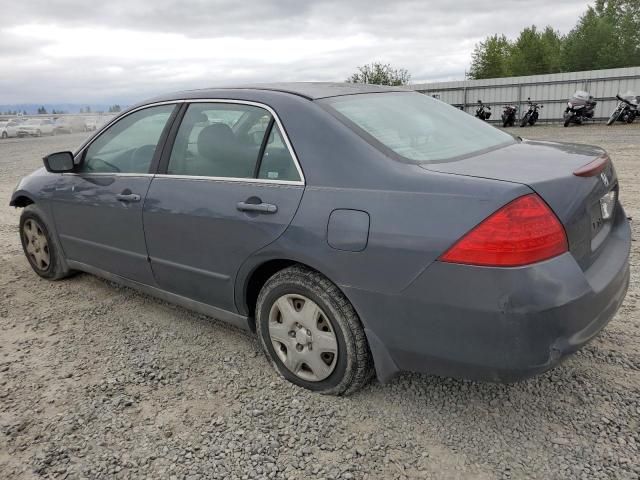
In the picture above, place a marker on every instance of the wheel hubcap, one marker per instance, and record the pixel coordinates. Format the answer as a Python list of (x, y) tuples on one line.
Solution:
[(36, 244), (303, 338)]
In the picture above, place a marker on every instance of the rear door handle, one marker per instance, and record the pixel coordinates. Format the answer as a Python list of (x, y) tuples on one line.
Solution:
[(128, 197), (257, 207)]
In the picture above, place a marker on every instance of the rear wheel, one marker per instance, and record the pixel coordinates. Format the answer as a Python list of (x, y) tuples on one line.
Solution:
[(40, 248), (311, 333)]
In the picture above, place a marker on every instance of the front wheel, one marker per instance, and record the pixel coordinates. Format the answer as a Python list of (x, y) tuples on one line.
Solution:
[(613, 117), (5, 135), (524, 120), (40, 248), (38, 133), (311, 333), (567, 120)]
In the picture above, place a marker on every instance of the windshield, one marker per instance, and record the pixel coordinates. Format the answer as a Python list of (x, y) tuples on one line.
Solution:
[(582, 95), (416, 126)]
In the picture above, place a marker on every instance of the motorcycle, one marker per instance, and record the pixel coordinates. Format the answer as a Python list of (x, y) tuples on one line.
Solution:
[(509, 115), (483, 112), (626, 110), (531, 117), (580, 107)]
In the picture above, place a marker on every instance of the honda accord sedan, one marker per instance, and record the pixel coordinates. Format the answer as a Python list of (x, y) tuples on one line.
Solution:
[(357, 230)]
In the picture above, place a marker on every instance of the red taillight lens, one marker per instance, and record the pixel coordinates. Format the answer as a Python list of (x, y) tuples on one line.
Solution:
[(522, 232)]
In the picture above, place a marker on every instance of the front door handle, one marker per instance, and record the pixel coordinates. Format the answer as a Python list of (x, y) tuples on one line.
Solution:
[(257, 207), (128, 197)]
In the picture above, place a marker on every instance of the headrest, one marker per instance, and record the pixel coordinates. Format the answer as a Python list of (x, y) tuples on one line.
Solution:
[(214, 139)]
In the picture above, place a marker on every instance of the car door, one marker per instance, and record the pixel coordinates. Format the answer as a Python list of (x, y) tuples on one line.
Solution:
[(229, 184), (98, 208), (12, 129)]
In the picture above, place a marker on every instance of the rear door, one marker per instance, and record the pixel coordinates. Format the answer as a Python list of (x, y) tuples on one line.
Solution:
[(98, 209), (229, 184)]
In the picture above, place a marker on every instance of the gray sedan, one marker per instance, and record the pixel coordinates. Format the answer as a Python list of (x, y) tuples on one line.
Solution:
[(358, 230)]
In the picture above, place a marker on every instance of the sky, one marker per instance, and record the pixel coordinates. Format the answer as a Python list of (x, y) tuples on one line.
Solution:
[(128, 50)]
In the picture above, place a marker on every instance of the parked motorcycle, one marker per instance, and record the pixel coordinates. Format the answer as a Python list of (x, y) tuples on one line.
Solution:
[(509, 115), (580, 107), (531, 117), (626, 110), (483, 112)]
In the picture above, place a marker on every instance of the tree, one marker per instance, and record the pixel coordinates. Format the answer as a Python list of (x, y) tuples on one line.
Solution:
[(42, 111), (535, 53), (380, 74), (114, 108), (607, 35), (490, 59)]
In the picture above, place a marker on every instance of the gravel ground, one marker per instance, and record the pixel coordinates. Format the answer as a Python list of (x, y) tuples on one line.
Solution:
[(98, 381)]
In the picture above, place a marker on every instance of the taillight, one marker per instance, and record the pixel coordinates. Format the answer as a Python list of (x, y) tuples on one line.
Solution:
[(592, 169), (522, 232)]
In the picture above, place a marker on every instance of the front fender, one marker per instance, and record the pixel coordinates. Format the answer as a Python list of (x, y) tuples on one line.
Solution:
[(21, 198)]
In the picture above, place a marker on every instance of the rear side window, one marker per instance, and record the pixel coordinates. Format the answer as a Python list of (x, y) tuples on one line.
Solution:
[(230, 140), (416, 127), (277, 163)]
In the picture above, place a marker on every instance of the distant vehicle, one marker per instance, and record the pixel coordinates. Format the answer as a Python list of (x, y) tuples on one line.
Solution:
[(483, 112), (36, 127), (626, 110), (509, 115), (580, 107), (531, 117), (71, 124), (8, 128), (91, 124)]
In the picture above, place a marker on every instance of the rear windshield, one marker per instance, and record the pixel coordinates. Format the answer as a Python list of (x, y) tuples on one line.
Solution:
[(416, 126)]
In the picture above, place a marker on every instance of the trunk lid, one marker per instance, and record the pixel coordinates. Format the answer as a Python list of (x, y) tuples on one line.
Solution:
[(547, 168)]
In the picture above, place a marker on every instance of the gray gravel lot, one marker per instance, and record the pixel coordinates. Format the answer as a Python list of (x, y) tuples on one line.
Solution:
[(99, 381)]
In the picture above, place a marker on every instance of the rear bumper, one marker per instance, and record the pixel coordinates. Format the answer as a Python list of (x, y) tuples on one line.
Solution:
[(497, 324)]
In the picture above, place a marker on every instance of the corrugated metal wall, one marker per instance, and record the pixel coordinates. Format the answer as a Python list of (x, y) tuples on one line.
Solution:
[(552, 91)]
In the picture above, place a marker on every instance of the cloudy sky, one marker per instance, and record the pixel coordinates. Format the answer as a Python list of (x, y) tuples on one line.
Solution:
[(126, 50)]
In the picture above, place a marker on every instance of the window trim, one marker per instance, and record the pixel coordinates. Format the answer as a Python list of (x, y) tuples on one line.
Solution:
[(167, 142)]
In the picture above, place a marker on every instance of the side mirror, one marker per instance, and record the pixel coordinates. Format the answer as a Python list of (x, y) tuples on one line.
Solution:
[(59, 162)]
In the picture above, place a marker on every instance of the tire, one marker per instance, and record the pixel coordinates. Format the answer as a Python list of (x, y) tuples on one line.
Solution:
[(38, 133), (5, 135), (567, 120), (45, 254), (340, 373), (524, 120), (505, 123), (613, 117)]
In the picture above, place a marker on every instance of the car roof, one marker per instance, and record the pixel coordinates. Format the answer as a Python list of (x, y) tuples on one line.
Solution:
[(309, 90)]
